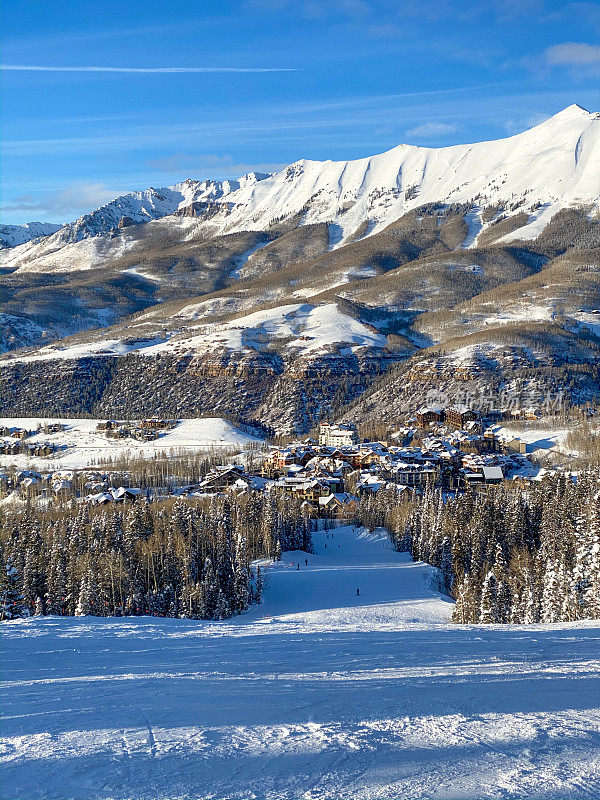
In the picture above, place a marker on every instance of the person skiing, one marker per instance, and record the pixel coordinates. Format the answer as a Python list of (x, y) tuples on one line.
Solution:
[(298, 567), (358, 592), (306, 561)]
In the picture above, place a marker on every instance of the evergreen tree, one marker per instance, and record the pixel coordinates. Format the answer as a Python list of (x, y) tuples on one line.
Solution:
[(11, 595), (488, 610)]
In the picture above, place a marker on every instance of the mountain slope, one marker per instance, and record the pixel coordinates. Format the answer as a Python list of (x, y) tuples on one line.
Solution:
[(134, 208), (14, 235), (253, 298)]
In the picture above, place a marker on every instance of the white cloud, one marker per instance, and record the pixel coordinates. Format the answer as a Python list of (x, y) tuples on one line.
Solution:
[(580, 59), (153, 70), (431, 129), (317, 9), (513, 126), (573, 54), (60, 204)]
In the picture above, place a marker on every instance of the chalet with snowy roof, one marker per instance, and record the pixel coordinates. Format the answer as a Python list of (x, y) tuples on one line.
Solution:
[(221, 478), (369, 484), (120, 495), (337, 505), (513, 445), (27, 483), (19, 433), (27, 474), (155, 423), (470, 478), (329, 464), (99, 498), (108, 425), (125, 494), (53, 427), (368, 456), (117, 432), (303, 488), (493, 474), (428, 414), (279, 460), (414, 474), (61, 486)]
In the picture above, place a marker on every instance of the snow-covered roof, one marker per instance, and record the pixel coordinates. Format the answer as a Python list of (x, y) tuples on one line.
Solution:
[(493, 473)]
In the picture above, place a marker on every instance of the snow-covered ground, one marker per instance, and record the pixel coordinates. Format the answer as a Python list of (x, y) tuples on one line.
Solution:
[(475, 226), (80, 445), (305, 328), (589, 320), (537, 438), (316, 693)]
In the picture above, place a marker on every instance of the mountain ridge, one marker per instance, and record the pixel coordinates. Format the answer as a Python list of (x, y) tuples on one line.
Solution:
[(553, 165)]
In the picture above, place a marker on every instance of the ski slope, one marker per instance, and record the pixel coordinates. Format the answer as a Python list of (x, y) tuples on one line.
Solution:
[(316, 693)]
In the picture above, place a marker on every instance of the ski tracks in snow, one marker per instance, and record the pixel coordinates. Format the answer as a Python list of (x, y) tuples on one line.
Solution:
[(338, 696)]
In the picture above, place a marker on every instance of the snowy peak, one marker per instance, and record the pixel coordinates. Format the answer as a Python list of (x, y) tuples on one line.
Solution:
[(574, 111), (137, 207), (144, 206), (540, 171), (14, 235)]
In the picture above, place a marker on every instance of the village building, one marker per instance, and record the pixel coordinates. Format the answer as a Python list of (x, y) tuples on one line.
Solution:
[(331, 435), (53, 427), (458, 416), (156, 423), (108, 425), (428, 414), (338, 505), (221, 478)]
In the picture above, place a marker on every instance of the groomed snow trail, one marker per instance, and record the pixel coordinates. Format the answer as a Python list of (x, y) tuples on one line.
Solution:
[(316, 693)]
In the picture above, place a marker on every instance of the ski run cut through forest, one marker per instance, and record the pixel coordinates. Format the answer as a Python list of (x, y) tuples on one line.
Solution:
[(348, 680)]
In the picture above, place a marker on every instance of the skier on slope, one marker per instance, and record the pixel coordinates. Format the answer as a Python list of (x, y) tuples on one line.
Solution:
[(358, 592)]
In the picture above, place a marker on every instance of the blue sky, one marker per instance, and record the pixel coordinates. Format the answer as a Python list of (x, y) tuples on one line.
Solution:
[(225, 87)]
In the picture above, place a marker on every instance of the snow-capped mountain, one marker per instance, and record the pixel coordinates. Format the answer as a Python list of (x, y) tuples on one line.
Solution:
[(139, 207), (540, 171), (132, 208), (255, 296), (14, 235), (536, 173)]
